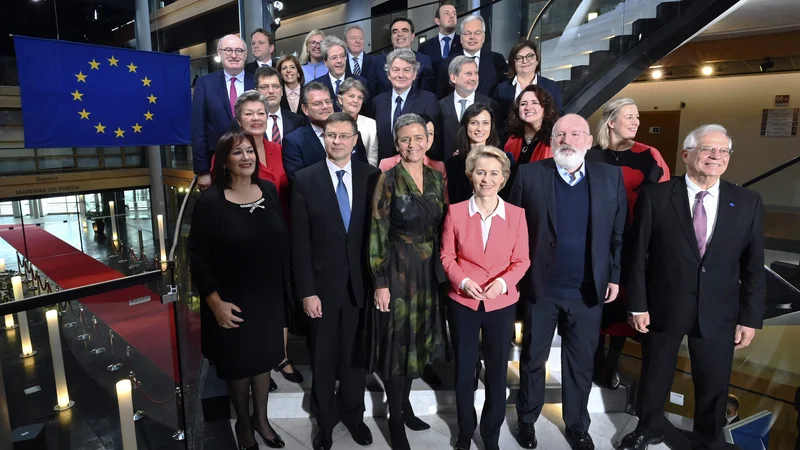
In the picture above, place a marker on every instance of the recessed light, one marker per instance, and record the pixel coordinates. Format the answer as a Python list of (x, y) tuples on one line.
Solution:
[(707, 70), (656, 74)]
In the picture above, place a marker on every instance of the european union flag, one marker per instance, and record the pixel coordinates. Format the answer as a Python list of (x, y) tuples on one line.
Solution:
[(81, 95)]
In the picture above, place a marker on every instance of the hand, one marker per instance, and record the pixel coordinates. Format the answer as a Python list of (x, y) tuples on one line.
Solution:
[(743, 336), (639, 322), (223, 311), (204, 181), (611, 292), (473, 290), (382, 299), (312, 307), (494, 289)]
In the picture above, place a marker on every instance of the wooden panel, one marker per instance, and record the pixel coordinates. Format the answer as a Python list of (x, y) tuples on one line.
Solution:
[(183, 10), (774, 45), (32, 180), (667, 140), (71, 187)]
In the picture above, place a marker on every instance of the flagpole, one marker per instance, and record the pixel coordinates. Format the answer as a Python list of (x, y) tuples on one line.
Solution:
[(55, 11)]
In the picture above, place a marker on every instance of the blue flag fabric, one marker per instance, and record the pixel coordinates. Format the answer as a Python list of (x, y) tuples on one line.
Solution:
[(81, 95)]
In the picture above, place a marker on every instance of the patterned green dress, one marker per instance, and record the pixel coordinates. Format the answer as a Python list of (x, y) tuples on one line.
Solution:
[(404, 256)]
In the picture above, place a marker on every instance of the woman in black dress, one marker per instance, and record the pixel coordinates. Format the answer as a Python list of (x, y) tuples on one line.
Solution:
[(238, 245)]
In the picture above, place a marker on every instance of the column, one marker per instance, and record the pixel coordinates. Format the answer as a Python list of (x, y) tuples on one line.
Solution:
[(253, 14), (357, 10), (505, 25)]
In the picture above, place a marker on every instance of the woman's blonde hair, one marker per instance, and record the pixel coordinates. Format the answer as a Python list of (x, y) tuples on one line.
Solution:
[(304, 56), (488, 151), (610, 114)]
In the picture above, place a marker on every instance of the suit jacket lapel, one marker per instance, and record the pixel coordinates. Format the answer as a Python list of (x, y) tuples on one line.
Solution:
[(680, 202), (450, 113), (326, 185), (409, 103), (224, 93), (313, 140), (726, 214), (548, 180)]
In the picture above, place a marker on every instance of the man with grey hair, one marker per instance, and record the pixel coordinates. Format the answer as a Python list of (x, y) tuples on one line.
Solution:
[(401, 70), (575, 211), (358, 61), (464, 77), (696, 269), (492, 66), (213, 102), (334, 53), (402, 34)]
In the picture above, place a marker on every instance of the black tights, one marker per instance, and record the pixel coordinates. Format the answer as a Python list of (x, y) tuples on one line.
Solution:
[(398, 389), (239, 393)]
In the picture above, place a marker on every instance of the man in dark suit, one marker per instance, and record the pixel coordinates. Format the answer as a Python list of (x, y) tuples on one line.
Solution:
[(447, 40), (696, 269), (280, 122), (492, 66), (403, 69), (402, 34), (262, 44), (732, 410), (215, 95), (334, 53), (464, 77), (358, 62), (576, 214), (330, 231)]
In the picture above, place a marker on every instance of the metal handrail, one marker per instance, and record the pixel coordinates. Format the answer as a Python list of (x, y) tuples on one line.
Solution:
[(539, 18), (179, 221), (772, 171)]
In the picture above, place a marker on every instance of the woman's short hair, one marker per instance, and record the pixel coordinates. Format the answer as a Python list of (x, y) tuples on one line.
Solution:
[(462, 141), (525, 43), (328, 43), (406, 120), (225, 145), (304, 55), (610, 114), (249, 96), (352, 83), (301, 76), (406, 54), (488, 151), (516, 126)]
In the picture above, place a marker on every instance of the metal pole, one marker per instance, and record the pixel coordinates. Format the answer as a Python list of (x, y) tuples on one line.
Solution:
[(55, 12)]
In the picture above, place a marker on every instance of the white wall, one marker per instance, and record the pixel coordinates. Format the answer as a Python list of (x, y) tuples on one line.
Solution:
[(736, 103)]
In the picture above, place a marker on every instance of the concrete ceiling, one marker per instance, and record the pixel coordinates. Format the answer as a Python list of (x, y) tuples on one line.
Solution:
[(756, 17)]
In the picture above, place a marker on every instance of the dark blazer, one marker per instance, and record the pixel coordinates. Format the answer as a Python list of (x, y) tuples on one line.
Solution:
[(326, 80), (534, 191), (211, 116), (301, 148), (451, 124), (504, 94), (433, 49), (252, 66), (492, 69), (328, 261), (285, 106), (366, 67), (666, 276), (379, 82), (420, 102), (291, 121)]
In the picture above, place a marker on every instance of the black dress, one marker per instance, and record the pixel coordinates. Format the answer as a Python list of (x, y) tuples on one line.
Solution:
[(242, 252)]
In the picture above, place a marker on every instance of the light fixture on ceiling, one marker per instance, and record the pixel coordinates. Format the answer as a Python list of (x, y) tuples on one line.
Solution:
[(217, 59), (766, 65), (278, 6), (707, 70), (656, 74), (592, 16)]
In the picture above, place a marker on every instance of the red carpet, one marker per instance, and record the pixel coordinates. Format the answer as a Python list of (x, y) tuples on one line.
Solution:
[(148, 327)]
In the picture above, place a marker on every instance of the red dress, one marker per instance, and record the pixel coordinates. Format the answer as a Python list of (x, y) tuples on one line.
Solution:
[(541, 151)]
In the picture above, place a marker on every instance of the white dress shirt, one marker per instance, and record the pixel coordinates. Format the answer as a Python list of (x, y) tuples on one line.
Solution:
[(452, 37), (477, 57), (359, 58), (486, 227), (404, 96), (456, 101), (572, 179), (519, 87), (320, 133), (262, 64), (268, 133), (333, 84), (239, 83), (347, 178)]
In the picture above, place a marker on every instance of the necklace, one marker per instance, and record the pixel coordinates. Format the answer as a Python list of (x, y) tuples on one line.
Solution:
[(616, 154), (254, 205)]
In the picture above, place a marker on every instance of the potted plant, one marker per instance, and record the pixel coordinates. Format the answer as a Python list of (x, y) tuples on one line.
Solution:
[(98, 224)]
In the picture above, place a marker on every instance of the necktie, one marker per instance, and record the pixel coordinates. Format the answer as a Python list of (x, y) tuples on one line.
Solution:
[(463, 108), (700, 222), (338, 82), (398, 110), (344, 202), (446, 51), (356, 67), (233, 96), (276, 132)]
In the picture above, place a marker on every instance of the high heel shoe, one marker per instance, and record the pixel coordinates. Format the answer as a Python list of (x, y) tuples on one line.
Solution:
[(411, 420), (277, 442), (397, 434)]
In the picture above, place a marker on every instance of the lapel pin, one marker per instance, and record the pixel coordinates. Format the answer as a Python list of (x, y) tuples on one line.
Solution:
[(731, 204)]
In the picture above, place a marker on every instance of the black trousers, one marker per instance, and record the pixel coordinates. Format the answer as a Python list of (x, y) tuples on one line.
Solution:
[(581, 331), (335, 346), (711, 359), (498, 330)]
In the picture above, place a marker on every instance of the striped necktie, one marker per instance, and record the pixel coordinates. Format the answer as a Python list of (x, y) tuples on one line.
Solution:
[(356, 66), (276, 132)]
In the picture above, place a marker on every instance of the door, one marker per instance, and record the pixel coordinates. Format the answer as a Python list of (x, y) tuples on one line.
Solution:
[(660, 129)]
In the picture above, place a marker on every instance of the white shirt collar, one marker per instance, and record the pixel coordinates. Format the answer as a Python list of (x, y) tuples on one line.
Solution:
[(452, 37), (317, 130), (333, 168), (500, 211), (262, 64), (404, 96), (568, 177), (694, 189), (535, 80), (276, 113), (470, 98), (477, 54), (239, 76), (358, 57), (334, 79)]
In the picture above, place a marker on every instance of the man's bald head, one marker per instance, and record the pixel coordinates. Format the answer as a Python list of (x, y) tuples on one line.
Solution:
[(232, 50), (571, 139)]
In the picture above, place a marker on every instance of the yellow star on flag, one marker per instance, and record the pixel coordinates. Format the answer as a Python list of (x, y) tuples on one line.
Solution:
[(76, 95), (131, 68), (152, 98), (95, 65), (84, 114), (137, 128), (81, 77), (113, 61), (146, 82), (148, 116), (100, 128), (120, 133)]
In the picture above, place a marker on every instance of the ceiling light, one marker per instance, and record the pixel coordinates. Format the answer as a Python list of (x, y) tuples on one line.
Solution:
[(707, 70), (277, 21), (766, 65), (592, 16), (278, 6), (217, 59), (656, 74)]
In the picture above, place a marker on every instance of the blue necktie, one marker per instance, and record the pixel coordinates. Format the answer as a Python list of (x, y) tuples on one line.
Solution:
[(344, 203), (446, 51), (338, 82), (398, 110)]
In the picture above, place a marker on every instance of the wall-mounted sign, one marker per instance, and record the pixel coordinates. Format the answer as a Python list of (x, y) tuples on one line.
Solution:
[(779, 122), (781, 100)]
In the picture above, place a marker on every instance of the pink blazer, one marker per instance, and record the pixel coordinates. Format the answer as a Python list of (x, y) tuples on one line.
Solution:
[(506, 254)]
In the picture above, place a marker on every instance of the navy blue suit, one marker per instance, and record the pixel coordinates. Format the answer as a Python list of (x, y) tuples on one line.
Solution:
[(433, 49), (367, 61), (492, 68), (418, 101), (211, 116), (302, 148), (326, 80), (379, 82), (504, 93), (291, 122)]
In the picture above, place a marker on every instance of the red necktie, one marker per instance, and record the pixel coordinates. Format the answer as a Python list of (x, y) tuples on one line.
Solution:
[(233, 95), (276, 132)]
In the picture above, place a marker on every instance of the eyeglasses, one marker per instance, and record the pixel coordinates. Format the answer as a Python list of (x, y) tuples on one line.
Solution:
[(561, 137), (707, 150), (341, 57), (470, 33), (320, 104), (342, 136), (229, 51), (529, 57), (264, 87), (314, 43)]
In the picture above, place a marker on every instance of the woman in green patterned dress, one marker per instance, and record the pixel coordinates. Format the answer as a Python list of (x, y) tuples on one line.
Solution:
[(407, 329)]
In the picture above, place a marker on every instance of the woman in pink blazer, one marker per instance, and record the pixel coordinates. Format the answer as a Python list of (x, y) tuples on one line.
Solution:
[(485, 254)]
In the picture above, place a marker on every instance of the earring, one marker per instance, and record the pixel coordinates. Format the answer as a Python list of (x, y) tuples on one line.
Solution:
[(225, 169)]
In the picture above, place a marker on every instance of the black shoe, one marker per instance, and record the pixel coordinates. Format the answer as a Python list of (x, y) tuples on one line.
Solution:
[(397, 435), (361, 434), (612, 381), (275, 442), (638, 441), (253, 447), (413, 422), (463, 443), (272, 386), (526, 435), (579, 440), (294, 377), (323, 440)]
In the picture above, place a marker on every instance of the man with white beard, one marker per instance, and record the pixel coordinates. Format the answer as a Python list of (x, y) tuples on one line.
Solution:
[(575, 211)]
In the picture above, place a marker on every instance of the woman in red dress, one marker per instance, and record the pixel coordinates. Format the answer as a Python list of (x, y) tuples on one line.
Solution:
[(530, 122)]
